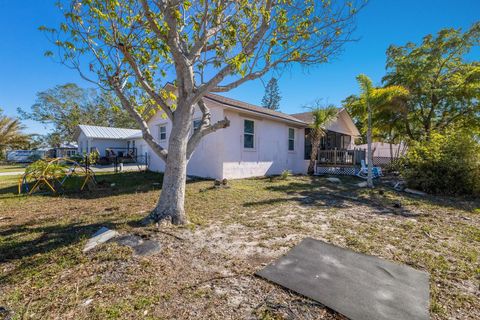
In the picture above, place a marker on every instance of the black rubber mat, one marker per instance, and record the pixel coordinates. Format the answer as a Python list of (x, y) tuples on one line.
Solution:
[(359, 286)]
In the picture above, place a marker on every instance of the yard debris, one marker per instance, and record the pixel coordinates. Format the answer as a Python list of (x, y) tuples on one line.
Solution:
[(140, 247), (334, 180), (87, 302), (415, 192), (221, 183), (5, 314), (399, 185), (101, 236)]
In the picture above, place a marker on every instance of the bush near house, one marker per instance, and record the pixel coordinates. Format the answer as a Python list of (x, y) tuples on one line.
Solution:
[(447, 163)]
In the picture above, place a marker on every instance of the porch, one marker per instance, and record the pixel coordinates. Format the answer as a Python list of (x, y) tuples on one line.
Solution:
[(345, 162)]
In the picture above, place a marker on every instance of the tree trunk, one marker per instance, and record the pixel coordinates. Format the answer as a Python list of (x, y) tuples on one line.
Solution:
[(313, 156), (369, 149), (170, 205)]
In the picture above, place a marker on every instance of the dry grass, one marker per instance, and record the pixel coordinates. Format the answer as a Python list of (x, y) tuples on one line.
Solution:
[(205, 270)]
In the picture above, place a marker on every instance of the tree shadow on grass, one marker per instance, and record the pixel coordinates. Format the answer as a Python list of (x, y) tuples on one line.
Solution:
[(20, 241), (319, 192)]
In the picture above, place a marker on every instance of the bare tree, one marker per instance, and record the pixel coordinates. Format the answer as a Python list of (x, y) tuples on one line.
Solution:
[(134, 47)]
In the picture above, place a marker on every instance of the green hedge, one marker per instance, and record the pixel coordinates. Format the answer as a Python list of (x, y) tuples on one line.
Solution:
[(447, 164)]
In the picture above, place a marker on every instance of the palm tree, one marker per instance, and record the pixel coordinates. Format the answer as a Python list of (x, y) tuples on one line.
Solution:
[(321, 118), (10, 133), (371, 102)]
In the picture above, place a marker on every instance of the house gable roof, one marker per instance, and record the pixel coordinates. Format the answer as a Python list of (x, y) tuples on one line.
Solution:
[(344, 123), (212, 99), (243, 106), (97, 132)]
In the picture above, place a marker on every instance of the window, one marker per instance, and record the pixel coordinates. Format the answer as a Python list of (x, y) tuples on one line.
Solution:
[(291, 139), (196, 124), (162, 132), (345, 141), (308, 144), (248, 134)]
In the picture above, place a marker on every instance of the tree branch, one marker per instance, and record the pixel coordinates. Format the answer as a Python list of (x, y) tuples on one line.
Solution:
[(205, 128), (143, 82), (158, 149)]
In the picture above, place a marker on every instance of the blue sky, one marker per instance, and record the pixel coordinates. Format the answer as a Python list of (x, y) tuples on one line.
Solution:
[(24, 70)]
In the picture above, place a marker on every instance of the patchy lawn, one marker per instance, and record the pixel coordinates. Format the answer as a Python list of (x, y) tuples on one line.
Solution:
[(205, 270), (12, 168)]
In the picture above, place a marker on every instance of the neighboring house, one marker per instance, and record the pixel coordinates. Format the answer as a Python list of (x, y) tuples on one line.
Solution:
[(386, 150), (64, 150), (258, 142), (384, 153), (109, 142)]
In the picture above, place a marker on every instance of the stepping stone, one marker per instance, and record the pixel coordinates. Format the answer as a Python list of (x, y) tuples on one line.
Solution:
[(139, 246), (101, 236), (334, 180), (147, 248)]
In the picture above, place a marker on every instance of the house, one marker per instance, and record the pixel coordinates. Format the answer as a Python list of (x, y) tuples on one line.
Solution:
[(66, 149), (258, 142), (110, 142)]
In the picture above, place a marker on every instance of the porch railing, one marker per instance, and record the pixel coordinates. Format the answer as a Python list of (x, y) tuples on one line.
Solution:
[(339, 158)]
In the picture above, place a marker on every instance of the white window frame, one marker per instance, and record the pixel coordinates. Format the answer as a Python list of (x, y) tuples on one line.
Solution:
[(160, 126), (246, 133), (293, 139)]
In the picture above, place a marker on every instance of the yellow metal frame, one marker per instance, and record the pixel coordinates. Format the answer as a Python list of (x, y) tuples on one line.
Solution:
[(44, 178)]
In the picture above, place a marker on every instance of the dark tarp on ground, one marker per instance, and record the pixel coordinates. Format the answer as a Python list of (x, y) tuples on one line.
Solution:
[(359, 286)]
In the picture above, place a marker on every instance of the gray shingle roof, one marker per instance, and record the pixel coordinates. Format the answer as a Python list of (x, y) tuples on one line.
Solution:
[(98, 132), (232, 103)]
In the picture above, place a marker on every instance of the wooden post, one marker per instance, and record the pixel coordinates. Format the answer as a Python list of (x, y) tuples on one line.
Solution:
[(335, 157)]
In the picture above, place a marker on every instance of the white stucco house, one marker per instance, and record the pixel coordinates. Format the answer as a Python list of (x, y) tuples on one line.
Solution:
[(258, 141)]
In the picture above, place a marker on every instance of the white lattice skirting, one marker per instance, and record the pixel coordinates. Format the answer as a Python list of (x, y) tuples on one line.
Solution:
[(348, 171)]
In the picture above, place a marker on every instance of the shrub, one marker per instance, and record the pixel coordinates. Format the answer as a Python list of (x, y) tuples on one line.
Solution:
[(447, 164), (285, 174)]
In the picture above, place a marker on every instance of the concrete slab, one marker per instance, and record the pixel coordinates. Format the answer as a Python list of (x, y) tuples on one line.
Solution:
[(101, 236), (359, 286)]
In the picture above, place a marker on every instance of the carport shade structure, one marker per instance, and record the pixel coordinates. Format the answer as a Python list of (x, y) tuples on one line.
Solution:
[(361, 287)]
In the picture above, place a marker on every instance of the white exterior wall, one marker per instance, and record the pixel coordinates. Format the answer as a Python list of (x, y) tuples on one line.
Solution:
[(206, 160), (270, 154), (221, 154)]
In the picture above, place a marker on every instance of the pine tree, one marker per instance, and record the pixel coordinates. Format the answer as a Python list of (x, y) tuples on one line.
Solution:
[(271, 99)]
